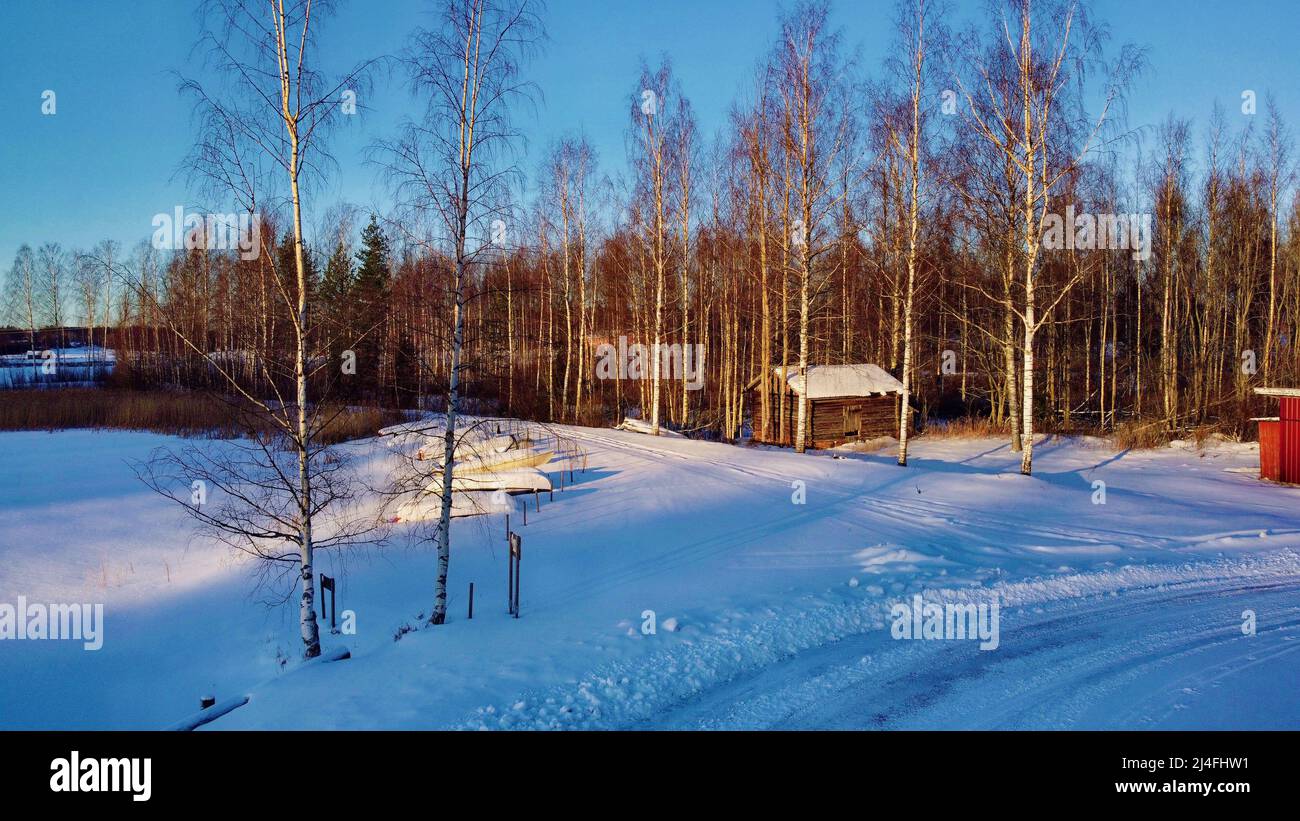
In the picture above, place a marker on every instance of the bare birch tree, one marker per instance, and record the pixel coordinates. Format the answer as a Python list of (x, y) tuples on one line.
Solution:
[(451, 170), (1041, 132), (911, 20), (268, 105), (814, 114)]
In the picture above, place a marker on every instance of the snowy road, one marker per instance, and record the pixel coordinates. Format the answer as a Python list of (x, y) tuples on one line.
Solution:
[(1166, 658)]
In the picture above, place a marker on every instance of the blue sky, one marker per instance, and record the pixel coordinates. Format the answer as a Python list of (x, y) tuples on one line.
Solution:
[(109, 159)]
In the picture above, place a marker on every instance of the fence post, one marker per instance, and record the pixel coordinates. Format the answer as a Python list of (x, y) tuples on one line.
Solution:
[(328, 583), (516, 556)]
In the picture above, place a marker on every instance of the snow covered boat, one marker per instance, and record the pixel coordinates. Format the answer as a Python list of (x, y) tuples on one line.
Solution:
[(517, 480), (518, 457), (427, 507), (421, 426), (494, 444), (507, 460)]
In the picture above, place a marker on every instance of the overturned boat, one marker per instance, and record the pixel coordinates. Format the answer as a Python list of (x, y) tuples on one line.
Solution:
[(427, 507), (486, 470), (518, 480)]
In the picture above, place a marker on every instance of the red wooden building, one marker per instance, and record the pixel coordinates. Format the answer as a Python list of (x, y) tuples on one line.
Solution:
[(1279, 438)]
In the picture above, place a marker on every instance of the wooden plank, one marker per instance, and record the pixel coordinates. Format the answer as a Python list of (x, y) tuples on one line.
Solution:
[(208, 714), (1270, 449)]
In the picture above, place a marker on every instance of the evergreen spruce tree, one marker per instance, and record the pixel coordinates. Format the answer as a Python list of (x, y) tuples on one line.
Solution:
[(335, 315), (368, 301)]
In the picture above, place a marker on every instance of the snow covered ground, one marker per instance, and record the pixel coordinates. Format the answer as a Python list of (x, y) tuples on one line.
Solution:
[(770, 578)]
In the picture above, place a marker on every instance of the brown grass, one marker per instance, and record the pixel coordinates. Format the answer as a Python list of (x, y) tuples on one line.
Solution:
[(1154, 434), (966, 427), (358, 423), (175, 413), (1135, 435), (1129, 435), (1204, 434)]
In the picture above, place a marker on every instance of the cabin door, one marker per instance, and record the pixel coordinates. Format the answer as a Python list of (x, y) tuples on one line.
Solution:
[(852, 422)]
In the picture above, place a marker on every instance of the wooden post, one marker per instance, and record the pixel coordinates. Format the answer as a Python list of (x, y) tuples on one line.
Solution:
[(510, 576), (327, 583), (537, 501), (471, 600), (516, 556)]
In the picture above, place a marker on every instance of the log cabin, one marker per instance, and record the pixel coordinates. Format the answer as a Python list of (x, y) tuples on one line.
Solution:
[(846, 403)]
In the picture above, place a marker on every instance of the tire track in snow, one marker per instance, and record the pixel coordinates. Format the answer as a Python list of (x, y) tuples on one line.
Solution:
[(957, 515), (1057, 671), (758, 669), (696, 550), (905, 517)]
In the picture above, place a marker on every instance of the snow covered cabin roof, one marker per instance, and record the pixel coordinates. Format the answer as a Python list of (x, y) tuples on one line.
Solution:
[(831, 381)]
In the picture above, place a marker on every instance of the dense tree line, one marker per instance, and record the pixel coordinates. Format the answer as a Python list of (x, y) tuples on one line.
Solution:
[(903, 216)]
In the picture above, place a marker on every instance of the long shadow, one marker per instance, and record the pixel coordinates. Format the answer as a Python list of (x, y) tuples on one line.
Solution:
[(569, 491), (968, 466), (1086, 469), (580, 477)]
